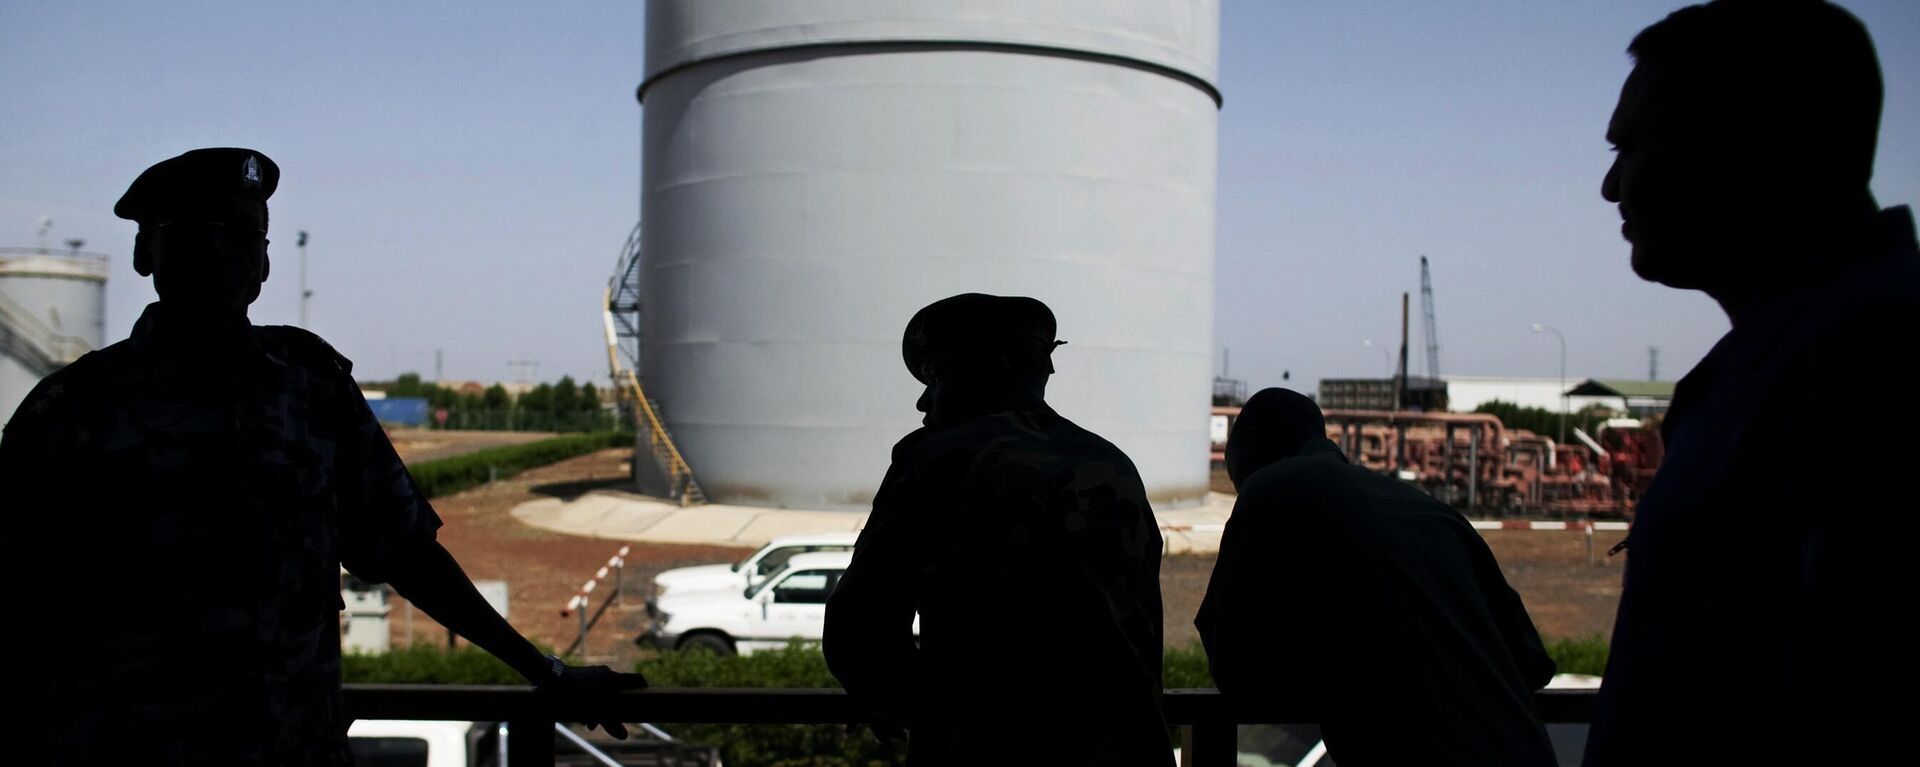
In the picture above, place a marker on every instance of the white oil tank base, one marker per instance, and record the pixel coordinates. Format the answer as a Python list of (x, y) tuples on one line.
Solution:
[(814, 173)]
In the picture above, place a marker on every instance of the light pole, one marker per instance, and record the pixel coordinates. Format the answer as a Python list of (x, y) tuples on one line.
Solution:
[(1539, 328), (305, 294)]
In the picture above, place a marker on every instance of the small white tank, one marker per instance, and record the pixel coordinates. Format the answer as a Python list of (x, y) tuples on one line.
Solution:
[(52, 310)]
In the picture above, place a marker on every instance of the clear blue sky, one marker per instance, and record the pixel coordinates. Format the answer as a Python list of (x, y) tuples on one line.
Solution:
[(470, 170)]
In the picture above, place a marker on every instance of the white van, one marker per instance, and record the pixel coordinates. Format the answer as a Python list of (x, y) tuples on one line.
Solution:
[(752, 570)]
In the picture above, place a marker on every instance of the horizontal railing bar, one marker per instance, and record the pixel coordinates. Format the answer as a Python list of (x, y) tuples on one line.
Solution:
[(721, 705)]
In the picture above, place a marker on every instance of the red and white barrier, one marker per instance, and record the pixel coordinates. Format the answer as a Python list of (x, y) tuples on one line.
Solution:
[(614, 567), (1521, 524)]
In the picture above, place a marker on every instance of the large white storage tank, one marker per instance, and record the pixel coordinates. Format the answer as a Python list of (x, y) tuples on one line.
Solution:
[(814, 172), (52, 310)]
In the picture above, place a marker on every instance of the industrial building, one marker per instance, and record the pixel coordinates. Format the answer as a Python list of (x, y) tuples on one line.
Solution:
[(52, 310), (814, 173), (1465, 394)]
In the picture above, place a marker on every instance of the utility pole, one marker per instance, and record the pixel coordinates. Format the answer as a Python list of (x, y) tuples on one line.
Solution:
[(437, 376), (1653, 363), (532, 368), (1400, 373), (305, 294)]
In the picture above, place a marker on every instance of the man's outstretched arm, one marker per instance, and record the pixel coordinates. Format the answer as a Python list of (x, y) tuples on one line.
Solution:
[(432, 580), (388, 536)]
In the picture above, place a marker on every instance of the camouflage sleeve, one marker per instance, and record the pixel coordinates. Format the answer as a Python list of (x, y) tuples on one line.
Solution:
[(383, 517), (868, 640), (22, 448), (29, 468), (26, 509)]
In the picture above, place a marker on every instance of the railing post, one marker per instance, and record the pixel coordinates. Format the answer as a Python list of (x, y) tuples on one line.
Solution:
[(529, 743), (1211, 744)]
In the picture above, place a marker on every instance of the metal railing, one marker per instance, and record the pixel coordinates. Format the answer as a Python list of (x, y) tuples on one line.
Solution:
[(1207, 720)]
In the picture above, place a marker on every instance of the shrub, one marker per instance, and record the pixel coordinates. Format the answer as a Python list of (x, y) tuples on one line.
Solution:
[(768, 745), (1579, 655), (451, 475), (427, 664), (1186, 667)]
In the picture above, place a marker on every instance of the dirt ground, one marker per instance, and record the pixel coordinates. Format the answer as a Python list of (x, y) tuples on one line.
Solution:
[(1566, 596), (428, 444), (544, 569)]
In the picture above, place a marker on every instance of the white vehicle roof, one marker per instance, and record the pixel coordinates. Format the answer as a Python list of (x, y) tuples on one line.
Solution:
[(395, 728), (1574, 682), (446, 740), (814, 539), (820, 560)]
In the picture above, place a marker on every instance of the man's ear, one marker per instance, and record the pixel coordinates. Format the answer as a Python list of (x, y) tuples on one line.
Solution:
[(142, 255)]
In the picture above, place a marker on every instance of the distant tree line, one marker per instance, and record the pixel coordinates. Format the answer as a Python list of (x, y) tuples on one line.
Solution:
[(1544, 422), (561, 406)]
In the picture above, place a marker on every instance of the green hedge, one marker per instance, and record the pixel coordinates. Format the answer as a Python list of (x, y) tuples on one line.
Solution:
[(427, 664), (1185, 667), (447, 476), (1580, 655), (768, 745), (797, 665)]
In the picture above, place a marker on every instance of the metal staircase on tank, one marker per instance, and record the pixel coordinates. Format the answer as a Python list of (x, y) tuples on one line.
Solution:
[(622, 320), (40, 348)]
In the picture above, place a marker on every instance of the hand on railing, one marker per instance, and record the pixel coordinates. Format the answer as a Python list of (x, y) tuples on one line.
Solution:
[(590, 687)]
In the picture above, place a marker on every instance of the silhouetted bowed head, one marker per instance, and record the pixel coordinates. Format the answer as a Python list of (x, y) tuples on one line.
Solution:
[(1273, 426), (977, 326)]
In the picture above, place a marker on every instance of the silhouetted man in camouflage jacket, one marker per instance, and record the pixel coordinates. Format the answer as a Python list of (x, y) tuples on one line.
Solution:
[(1027, 547), (178, 506)]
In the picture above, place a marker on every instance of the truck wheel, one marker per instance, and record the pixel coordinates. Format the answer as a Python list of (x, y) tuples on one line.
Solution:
[(715, 644)]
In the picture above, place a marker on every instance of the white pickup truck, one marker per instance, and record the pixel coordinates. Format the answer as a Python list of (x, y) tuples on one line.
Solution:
[(787, 604), (752, 570)]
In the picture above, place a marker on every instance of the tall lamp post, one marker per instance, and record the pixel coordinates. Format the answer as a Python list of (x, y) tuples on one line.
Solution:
[(305, 294), (1539, 328)]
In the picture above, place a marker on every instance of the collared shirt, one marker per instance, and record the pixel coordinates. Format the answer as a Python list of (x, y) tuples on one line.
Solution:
[(1026, 546), (1764, 559), (177, 508)]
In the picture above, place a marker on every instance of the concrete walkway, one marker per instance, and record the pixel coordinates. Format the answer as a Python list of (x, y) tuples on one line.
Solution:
[(630, 517)]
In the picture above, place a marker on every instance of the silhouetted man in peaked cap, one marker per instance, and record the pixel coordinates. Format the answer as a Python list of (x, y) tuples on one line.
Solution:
[(1025, 544), (178, 507)]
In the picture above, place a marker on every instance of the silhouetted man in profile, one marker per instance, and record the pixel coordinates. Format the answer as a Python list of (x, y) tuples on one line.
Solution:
[(1025, 544), (178, 506), (1761, 567), (1357, 598)]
